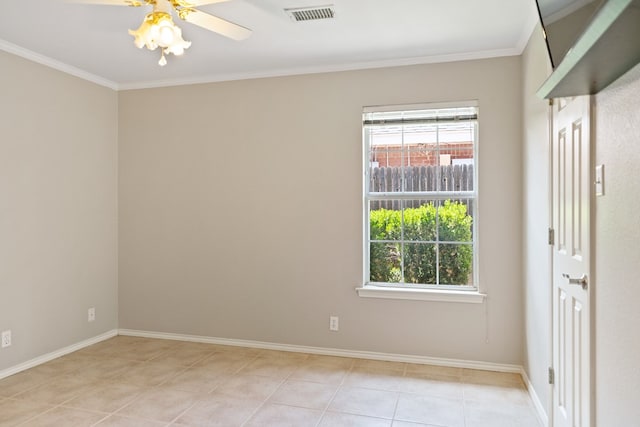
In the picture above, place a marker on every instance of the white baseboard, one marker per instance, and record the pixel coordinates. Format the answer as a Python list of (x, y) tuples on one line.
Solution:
[(540, 411), (55, 354), (456, 363)]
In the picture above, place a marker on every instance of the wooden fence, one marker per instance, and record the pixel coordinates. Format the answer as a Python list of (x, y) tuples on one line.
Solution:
[(420, 178)]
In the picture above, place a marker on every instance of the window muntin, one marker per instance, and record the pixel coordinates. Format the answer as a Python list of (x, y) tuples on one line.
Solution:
[(420, 197)]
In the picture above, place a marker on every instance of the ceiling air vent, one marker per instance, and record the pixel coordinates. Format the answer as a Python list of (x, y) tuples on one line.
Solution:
[(313, 13)]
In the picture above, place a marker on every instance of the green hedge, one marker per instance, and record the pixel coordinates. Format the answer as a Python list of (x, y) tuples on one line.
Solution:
[(454, 225)]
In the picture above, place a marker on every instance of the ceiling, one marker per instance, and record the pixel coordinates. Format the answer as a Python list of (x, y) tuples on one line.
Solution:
[(91, 41)]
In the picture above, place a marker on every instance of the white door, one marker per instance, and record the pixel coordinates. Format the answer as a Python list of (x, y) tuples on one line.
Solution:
[(571, 262)]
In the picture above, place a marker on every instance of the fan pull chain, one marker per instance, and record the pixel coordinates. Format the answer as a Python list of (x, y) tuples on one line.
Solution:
[(163, 60)]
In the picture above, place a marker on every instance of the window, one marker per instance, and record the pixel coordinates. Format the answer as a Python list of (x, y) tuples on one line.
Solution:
[(420, 196)]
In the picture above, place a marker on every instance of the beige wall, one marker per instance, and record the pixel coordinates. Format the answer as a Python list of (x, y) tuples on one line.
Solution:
[(536, 218), (617, 253), (58, 209), (241, 212)]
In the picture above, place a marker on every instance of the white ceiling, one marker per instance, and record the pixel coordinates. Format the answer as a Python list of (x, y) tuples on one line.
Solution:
[(91, 41)]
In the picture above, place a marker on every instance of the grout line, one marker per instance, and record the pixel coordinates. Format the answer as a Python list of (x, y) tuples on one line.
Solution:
[(464, 405), (395, 408), (35, 416), (284, 380), (183, 412), (335, 393), (101, 420)]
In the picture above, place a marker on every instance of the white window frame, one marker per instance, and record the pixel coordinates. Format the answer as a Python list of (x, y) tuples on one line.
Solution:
[(445, 293)]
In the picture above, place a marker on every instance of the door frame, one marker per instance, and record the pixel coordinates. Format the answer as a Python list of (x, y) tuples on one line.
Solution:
[(550, 386)]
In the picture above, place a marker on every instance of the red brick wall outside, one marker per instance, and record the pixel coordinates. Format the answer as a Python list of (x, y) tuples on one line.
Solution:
[(418, 155)]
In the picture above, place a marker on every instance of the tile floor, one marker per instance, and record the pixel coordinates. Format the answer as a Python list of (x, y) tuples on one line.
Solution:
[(130, 381)]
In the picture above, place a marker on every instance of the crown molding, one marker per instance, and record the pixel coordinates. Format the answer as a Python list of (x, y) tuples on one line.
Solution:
[(216, 78), (56, 65), (284, 72)]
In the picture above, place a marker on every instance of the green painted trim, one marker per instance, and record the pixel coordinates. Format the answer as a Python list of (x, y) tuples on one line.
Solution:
[(589, 65)]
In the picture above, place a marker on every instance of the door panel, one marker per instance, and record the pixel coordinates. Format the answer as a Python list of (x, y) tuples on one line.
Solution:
[(571, 262)]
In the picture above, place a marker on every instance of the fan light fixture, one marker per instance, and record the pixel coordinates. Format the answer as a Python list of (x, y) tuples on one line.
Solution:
[(158, 30)]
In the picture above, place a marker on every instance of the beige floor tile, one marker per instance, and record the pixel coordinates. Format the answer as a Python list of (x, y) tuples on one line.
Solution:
[(319, 359), (480, 414), (106, 397), (57, 390), (275, 354), (160, 404), (64, 365), (13, 412), (149, 373), (474, 376), (488, 418), (374, 378), (249, 387), (229, 356), (444, 371), (284, 416), (22, 382), (195, 346), (119, 421), (117, 343), (337, 419), (379, 364), (304, 394), (144, 349), (431, 385), (430, 410), (67, 417), (121, 340), (498, 394), (408, 424), (185, 355), (239, 351), (321, 372), (270, 367), (362, 401), (106, 368), (224, 362), (196, 380), (99, 350), (219, 410)]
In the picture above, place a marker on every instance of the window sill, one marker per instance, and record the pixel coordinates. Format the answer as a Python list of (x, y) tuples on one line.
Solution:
[(472, 297)]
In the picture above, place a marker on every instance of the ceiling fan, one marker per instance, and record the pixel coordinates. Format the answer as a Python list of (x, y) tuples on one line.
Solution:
[(158, 29)]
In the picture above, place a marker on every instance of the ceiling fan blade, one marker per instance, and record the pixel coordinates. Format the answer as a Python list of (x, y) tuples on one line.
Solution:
[(217, 25), (134, 3)]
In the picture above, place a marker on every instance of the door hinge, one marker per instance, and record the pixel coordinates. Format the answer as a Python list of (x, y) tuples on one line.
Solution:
[(552, 236), (551, 376)]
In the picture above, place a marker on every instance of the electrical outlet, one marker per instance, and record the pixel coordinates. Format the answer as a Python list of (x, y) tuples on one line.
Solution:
[(91, 314), (333, 323), (6, 338)]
